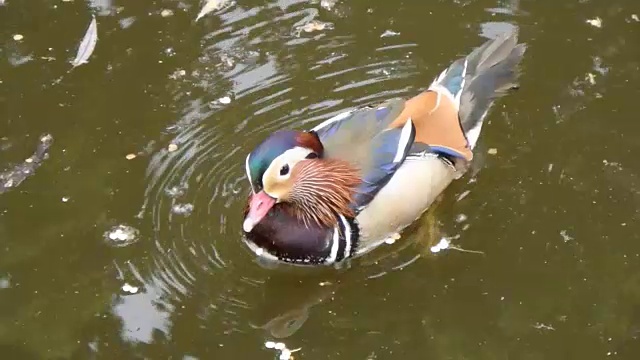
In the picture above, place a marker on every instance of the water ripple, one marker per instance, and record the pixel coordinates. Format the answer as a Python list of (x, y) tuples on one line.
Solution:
[(242, 86)]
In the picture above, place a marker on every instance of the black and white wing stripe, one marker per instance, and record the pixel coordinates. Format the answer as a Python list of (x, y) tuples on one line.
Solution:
[(344, 241)]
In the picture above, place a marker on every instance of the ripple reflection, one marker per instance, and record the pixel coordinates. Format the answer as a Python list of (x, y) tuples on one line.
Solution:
[(195, 188)]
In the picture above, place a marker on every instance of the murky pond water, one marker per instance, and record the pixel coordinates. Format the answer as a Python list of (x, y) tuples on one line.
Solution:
[(123, 241)]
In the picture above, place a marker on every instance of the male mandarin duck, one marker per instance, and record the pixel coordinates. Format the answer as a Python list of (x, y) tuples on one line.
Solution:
[(339, 190)]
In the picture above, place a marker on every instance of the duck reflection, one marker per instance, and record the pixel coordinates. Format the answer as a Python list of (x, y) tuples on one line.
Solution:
[(292, 292)]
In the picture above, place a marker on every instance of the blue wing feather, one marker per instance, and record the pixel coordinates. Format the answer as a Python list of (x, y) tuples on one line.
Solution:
[(364, 138), (389, 149), (447, 151), (454, 76)]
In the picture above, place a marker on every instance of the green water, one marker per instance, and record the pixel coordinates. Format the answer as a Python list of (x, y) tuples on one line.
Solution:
[(551, 203)]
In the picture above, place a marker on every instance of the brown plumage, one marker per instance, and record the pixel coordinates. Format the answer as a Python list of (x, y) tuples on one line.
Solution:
[(381, 165), (310, 141), (323, 188), (436, 120)]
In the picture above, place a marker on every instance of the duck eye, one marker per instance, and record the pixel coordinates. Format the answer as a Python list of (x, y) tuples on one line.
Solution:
[(284, 170), (312, 156)]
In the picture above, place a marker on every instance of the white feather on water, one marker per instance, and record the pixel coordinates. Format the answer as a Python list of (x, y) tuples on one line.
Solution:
[(87, 45), (212, 5)]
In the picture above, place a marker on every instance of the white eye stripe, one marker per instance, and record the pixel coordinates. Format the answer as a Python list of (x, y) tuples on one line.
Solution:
[(290, 157)]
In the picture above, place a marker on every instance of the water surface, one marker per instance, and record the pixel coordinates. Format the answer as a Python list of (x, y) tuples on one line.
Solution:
[(151, 134)]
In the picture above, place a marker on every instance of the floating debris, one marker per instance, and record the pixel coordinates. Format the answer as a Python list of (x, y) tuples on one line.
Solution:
[(177, 74), (130, 289), (463, 195), (446, 244), (130, 156), (122, 235), (213, 5), (166, 13), (460, 218), (443, 244), (566, 237), (389, 33), (15, 176), (595, 22), (5, 282), (316, 25), (172, 147), (182, 209), (65, 199), (285, 353), (328, 4), (635, 18), (126, 23), (225, 100), (87, 45), (492, 151), (591, 78), (176, 191), (18, 37), (541, 326)]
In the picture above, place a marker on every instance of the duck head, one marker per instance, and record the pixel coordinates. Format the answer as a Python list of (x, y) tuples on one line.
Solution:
[(288, 168)]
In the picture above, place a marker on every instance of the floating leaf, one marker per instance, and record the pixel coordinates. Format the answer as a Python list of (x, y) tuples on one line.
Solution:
[(211, 5), (87, 45), (492, 151)]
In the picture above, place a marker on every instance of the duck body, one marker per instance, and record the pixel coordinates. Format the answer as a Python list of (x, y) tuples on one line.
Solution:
[(342, 188)]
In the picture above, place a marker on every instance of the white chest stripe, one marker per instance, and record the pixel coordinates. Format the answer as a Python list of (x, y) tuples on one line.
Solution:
[(347, 236), (335, 244)]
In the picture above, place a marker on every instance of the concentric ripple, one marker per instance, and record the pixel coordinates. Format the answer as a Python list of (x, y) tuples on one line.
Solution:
[(257, 72)]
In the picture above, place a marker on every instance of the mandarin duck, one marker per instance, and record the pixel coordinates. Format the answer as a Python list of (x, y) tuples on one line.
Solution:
[(341, 189)]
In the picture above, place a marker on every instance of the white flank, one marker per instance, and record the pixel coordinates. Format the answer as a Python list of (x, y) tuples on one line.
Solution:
[(405, 136)]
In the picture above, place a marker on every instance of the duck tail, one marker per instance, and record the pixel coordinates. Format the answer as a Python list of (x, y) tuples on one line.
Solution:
[(476, 80)]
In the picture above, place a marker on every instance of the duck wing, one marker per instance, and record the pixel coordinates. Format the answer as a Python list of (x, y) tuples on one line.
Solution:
[(365, 138)]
